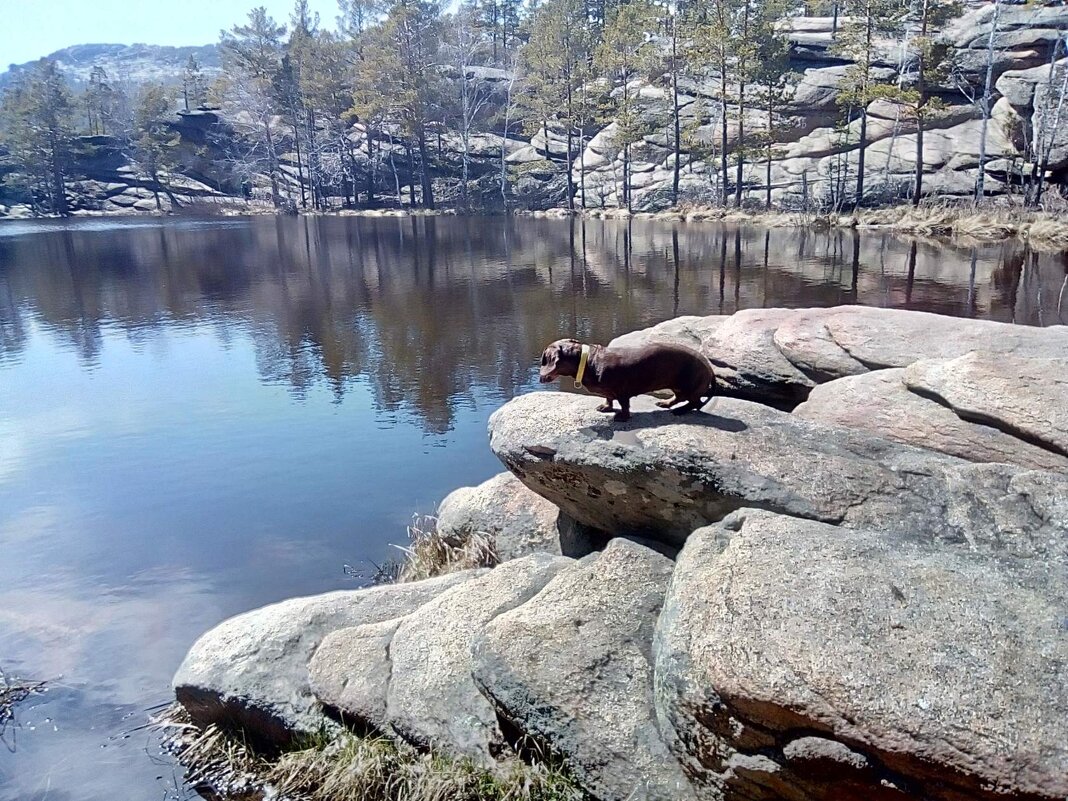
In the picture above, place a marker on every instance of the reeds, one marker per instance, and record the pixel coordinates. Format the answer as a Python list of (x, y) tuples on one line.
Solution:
[(350, 767)]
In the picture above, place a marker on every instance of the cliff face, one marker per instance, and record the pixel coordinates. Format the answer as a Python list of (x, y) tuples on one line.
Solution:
[(814, 161), (814, 158)]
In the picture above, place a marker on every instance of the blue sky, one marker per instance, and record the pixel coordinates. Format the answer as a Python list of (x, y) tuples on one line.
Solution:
[(30, 29)]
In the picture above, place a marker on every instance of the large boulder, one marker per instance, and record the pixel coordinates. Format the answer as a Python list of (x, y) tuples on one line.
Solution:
[(741, 349), (1024, 397), (776, 356), (663, 476), (431, 700), (518, 521), (881, 403), (350, 673), (799, 660), (251, 671), (572, 670)]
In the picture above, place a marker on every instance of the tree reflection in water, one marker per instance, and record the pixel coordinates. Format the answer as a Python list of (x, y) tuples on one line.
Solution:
[(427, 309)]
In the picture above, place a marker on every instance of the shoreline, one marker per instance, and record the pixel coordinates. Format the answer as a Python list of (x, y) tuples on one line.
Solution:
[(1046, 229)]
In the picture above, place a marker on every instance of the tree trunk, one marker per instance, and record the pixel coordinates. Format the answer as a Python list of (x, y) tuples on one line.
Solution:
[(860, 156), (1047, 145), (59, 188), (370, 167), (675, 108), (740, 142), (272, 161), (738, 145), (411, 172), (921, 101), (980, 180), (424, 173), (570, 140), (300, 163), (723, 136)]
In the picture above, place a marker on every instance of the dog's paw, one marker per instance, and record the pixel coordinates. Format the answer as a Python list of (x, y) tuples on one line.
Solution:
[(665, 404), (605, 407), (621, 417)]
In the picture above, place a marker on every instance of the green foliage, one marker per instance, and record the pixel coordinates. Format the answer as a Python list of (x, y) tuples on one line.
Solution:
[(37, 115)]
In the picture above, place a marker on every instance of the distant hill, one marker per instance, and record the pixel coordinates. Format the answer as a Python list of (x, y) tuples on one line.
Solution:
[(136, 63)]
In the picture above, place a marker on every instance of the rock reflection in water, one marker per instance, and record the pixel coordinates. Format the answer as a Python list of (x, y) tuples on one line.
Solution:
[(426, 308)]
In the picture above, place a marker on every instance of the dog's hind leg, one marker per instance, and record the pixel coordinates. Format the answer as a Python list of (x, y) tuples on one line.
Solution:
[(623, 415)]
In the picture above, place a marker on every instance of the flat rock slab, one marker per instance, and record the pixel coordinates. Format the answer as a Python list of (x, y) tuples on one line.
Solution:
[(663, 476), (251, 671), (827, 342), (799, 660), (881, 403), (741, 349), (519, 521), (777, 356), (572, 669), (1026, 397), (432, 701)]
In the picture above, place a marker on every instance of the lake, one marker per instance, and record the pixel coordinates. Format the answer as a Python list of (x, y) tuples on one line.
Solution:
[(198, 417)]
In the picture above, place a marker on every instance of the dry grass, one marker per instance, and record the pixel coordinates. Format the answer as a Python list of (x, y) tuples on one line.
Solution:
[(430, 553), (352, 767)]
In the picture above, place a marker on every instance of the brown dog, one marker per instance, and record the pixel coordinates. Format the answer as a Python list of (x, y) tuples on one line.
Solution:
[(618, 374)]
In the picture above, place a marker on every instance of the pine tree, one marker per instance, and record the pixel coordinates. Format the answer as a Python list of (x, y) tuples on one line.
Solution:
[(193, 84), (625, 53), (398, 80), (712, 45), (556, 70), (933, 59), (252, 57), (154, 141), (859, 39), (37, 114), (775, 84), (99, 101)]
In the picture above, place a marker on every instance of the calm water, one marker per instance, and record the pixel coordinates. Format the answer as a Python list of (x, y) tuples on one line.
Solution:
[(197, 418)]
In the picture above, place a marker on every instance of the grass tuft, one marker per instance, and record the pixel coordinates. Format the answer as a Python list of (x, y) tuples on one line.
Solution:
[(352, 767), (431, 553)]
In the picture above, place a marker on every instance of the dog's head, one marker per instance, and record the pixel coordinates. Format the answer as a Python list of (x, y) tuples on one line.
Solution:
[(560, 358)]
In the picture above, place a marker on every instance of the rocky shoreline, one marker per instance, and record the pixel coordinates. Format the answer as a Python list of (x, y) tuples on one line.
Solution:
[(847, 579), (1045, 230)]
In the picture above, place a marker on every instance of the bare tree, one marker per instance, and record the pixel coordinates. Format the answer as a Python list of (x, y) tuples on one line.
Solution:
[(985, 103)]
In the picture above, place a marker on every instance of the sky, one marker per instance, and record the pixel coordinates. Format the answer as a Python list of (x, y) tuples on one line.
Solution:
[(30, 29)]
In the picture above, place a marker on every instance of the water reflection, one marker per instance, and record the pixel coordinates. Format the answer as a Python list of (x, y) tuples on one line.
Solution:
[(426, 308), (197, 418)]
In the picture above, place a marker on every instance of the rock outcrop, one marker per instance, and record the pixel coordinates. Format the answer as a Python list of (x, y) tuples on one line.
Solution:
[(432, 701), (799, 660), (870, 600), (887, 403), (778, 355), (572, 670), (664, 476), (251, 671), (518, 521)]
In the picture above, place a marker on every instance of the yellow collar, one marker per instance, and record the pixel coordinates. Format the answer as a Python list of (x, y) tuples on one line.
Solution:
[(585, 357)]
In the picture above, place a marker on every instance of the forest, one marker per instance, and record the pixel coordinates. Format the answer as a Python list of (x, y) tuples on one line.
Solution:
[(567, 103)]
